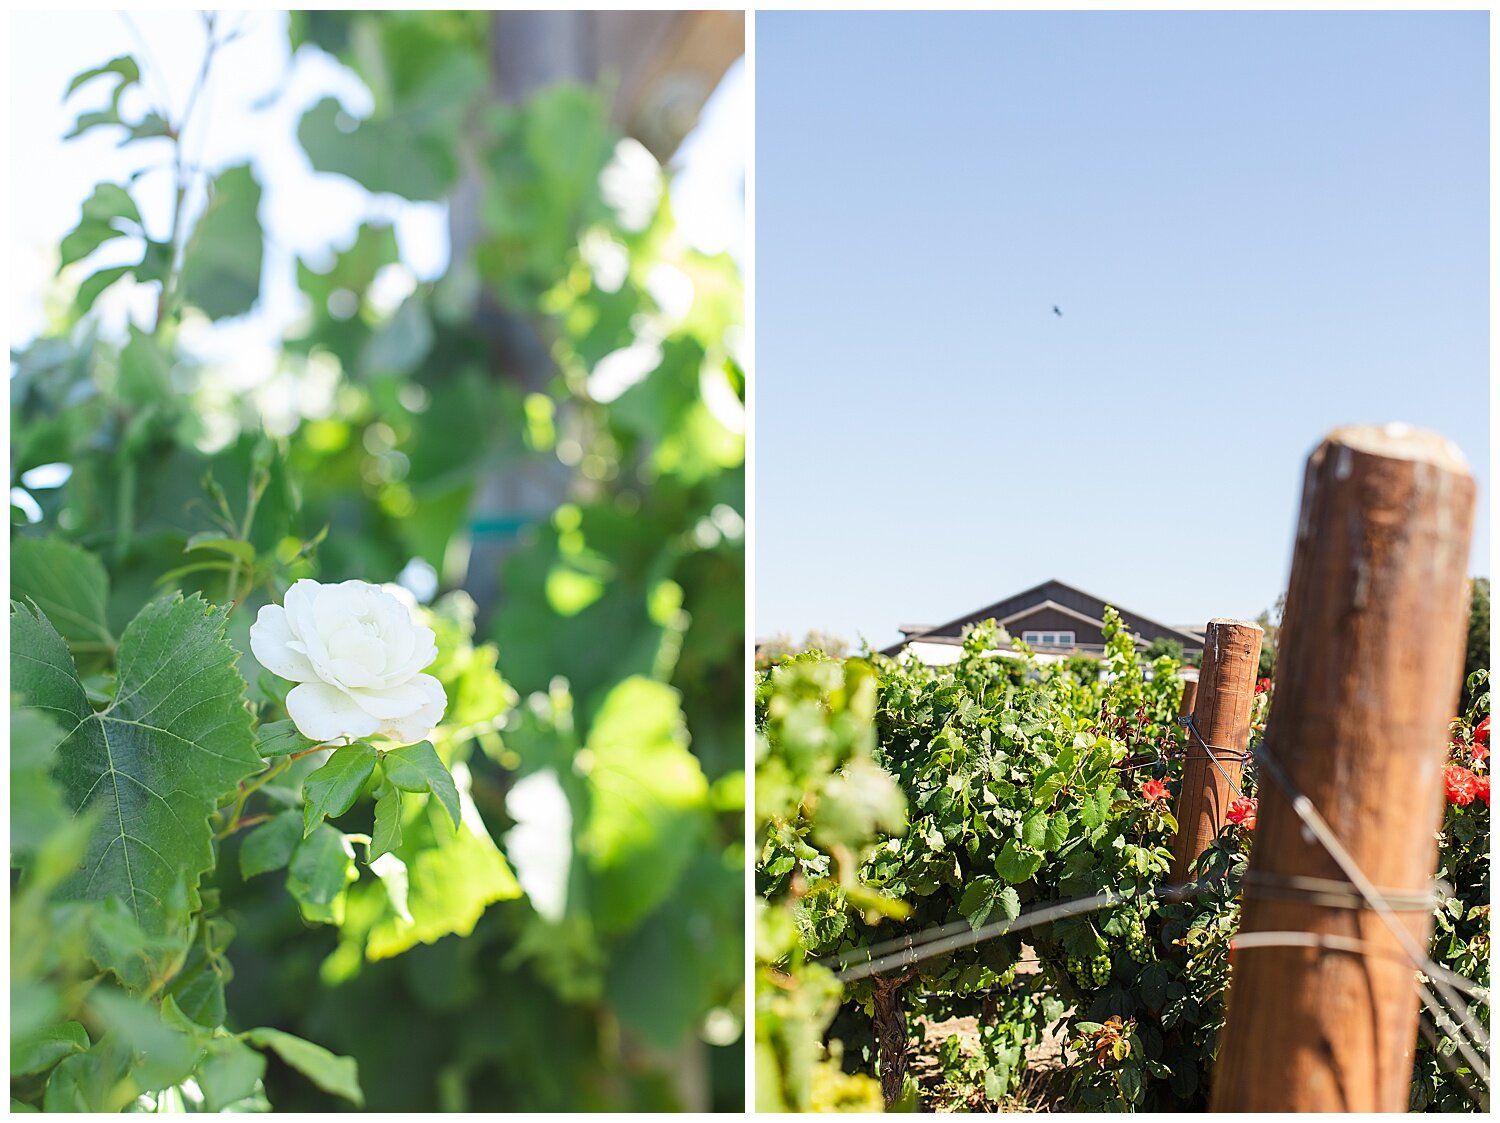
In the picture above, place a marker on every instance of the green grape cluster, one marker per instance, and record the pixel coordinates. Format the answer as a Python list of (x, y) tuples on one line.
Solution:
[(1091, 973), (1137, 945)]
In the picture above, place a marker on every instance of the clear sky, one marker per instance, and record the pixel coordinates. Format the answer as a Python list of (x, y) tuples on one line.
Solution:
[(1256, 226)]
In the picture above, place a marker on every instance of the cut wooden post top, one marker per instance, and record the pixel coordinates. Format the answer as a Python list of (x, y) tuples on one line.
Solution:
[(1400, 441)]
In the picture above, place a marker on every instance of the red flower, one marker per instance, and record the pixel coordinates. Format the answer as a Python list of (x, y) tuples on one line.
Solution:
[(1262, 685), (1152, 790), (1482, 731), (1482, 788), (1480, 752), (1242, 811), (1461, 784)]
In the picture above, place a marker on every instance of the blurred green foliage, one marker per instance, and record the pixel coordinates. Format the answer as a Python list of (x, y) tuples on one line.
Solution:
[(573, 939)]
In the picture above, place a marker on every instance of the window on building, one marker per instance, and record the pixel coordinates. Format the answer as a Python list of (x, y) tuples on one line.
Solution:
[(1048, 639)]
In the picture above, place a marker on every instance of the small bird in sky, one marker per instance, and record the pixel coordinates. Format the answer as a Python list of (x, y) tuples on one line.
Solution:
[(1056, 311)]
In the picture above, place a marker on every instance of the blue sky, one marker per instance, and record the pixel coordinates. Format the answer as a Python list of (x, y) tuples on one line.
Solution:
[(1257, 226)]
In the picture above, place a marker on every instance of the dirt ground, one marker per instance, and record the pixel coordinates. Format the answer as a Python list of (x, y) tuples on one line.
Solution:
[(1040, 1089)]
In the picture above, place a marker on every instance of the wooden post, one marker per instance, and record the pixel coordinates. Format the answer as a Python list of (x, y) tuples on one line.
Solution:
[(1222, 708), (1371, 653), (1189, 676)]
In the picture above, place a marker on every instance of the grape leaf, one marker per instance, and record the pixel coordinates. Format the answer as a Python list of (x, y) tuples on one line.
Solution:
[(66, 583), (1016, 865), (221, 265), (987, 898), (173, 743), (649, 801)]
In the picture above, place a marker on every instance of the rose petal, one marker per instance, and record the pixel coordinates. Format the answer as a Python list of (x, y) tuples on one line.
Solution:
[(324, 713), (424, 652), (418, 726), (394, 702), (270, 636), (299, 602)]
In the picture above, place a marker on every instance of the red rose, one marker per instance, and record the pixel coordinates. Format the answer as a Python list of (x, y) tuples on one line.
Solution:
[(1480, 752), (1152, 790), (1482, 731), (1461, 785), (1242, 811), (1262, 686), (1482, 788)]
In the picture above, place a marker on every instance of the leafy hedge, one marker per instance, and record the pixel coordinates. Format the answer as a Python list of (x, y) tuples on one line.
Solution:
[(1025, 785)]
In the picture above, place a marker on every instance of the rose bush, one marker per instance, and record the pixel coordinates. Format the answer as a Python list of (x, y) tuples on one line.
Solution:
[(357, 655)]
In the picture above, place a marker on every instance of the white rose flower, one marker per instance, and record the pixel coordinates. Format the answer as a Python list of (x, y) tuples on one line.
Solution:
[(357, 654)]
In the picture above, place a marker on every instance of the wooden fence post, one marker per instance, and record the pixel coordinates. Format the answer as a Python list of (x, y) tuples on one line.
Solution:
[(1222, 709), (1189, 676), (1370, 657)]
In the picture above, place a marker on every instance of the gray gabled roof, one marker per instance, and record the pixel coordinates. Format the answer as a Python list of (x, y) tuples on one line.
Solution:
[(1068, 599)]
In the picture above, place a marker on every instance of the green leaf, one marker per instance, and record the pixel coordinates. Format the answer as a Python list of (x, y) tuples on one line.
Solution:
[(985, 899), (336, 1075), (1007, 904), (173, 743), (1092, 811), (332, 789), (37, 811), (211, 540), (164, 1043), (387, 836), (222, 263), (94, 1081), (665, 974), (229, 1072), (410, 149), (452, 876), (418, 768), (1048, 783), (1034, 829), (1058, 827), (321, 870), (1016, 865), (649, 799), (270, 845), (103, 211), (67, 583), (92, 287), (41, 1049), (281, 738), (124, 67), (198, 987), (145, 378), (856, 803)]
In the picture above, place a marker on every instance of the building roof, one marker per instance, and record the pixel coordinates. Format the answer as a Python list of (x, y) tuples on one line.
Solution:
[(1064, 598)]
